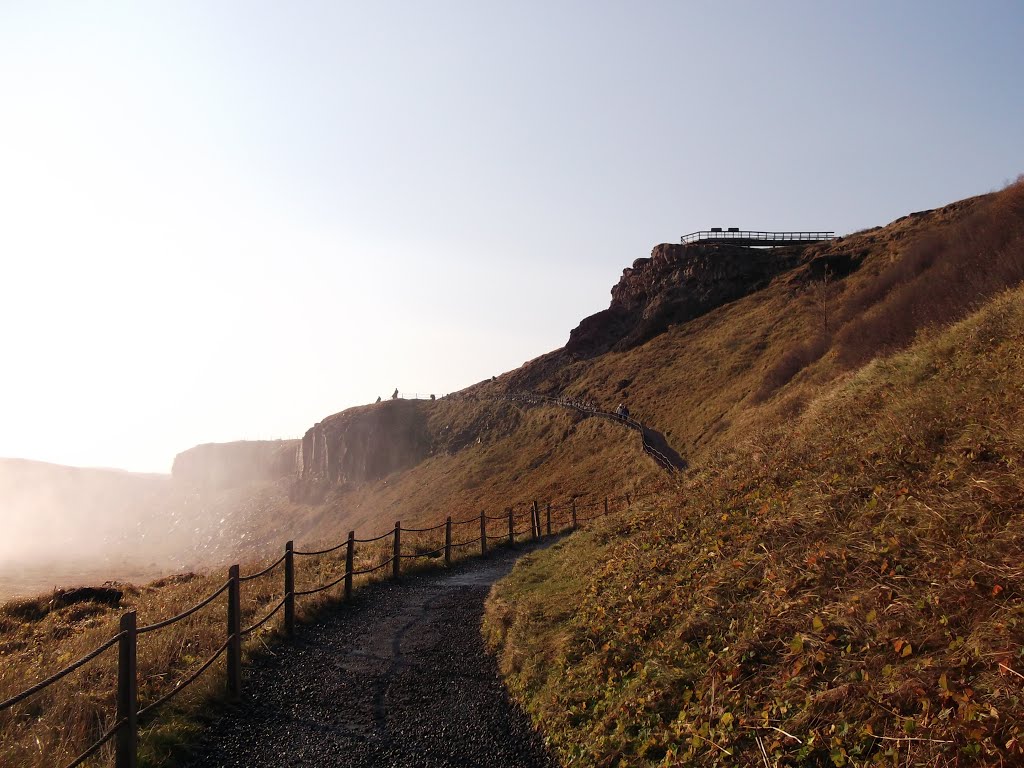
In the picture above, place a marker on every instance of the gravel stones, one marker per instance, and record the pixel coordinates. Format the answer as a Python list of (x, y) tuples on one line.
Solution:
[(399, 677)]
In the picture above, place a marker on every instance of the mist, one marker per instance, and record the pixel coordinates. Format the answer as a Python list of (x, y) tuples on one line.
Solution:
[(63, 526)]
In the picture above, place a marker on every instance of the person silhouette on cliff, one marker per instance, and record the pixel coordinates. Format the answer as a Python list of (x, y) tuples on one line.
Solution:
[(394, 395)]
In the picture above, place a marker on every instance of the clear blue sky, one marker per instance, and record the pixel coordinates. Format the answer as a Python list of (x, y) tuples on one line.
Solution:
[(228, 220)]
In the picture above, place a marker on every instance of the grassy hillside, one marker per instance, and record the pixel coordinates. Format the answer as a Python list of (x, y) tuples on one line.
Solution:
[(497, 455), (708, 382), (840, 563), (841, 587)]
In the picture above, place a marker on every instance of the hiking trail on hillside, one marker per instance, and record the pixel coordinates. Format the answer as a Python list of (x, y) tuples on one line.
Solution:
[(653, 443), (398, 677)]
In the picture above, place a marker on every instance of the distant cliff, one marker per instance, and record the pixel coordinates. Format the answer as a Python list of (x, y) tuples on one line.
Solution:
[(230, 465), (365, 443)]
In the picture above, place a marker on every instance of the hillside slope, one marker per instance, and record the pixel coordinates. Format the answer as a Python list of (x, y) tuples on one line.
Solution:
[(838, 582), (821, 482)]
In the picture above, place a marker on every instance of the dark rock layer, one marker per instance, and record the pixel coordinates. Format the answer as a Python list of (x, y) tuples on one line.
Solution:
[(677, 283)]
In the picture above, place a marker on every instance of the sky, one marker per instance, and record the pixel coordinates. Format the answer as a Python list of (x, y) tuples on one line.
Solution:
[(225, 221)]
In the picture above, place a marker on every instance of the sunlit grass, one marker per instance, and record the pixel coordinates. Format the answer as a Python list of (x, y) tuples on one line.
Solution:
[(851, 579)]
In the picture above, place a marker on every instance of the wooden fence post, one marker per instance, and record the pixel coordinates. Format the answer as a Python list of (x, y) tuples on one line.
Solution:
[(536, 521), (483, 534), (511, 526), (289, 588), (127, 694), (549, 518), (350, 559), (574, 513), (448, 541), (234, 634), (606, 505), (396, 558)]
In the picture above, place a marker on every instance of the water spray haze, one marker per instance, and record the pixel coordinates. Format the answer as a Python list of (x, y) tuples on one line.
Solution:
[(66, 525)]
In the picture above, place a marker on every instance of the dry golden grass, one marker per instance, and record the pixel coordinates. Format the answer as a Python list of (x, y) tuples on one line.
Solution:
[(522, 454), (844, 590), (500, 454), (54, 726), (697, 384)]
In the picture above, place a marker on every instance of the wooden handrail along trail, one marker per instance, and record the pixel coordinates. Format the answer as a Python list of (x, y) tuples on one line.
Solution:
[(124, 731)]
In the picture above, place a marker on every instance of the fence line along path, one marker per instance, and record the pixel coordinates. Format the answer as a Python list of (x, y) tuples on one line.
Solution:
[(669, 463), (400, 678), (452, 537)]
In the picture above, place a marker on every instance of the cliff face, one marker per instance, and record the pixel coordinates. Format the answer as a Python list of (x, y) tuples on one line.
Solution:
[(365, 443), (677, 283), (220, 466)]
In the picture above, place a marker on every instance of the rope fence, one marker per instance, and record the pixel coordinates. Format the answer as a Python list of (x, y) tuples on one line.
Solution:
[(590, 409), (266, 570), (125, 728)]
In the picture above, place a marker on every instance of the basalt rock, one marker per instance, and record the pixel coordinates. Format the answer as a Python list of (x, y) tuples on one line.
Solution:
[(365, 443), (677, 283)]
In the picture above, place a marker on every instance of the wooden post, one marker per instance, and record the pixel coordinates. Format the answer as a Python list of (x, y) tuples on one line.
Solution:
[(574, 513), (549, 518), (127, 694), (483, 534), (289, 588), (511, 526), (396, 558), (234, 634), (350, 559), (536, 521), (606, 505), (448, 541), (629, 502)]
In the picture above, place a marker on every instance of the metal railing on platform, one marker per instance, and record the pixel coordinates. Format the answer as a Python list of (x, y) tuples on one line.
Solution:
[(756, 238)]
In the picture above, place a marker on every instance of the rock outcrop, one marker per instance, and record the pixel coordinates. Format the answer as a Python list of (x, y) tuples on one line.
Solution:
[(677, 283), (365, 443), (219, 466)]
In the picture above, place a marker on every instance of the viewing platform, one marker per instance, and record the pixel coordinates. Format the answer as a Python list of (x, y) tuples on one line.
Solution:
[(733, 236)]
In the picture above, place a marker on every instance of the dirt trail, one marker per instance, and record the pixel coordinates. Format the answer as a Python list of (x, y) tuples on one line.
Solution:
[(399, 677)]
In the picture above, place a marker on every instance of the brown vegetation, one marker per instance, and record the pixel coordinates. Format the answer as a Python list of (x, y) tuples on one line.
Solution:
[(825, 579), (942, 276), (492, 457), (847, 590)]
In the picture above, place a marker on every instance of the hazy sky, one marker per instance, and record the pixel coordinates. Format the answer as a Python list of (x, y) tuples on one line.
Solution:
[(227, 220)]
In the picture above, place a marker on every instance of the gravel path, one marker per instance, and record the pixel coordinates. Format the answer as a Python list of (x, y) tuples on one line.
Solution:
[(399, 677)]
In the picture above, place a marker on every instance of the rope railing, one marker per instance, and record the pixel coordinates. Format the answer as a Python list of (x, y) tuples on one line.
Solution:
[(128, 709), (324, 588), (20, 697), (326, 551), (375, 538), (183, 684), (389, 561), (184, 614), (92, 750), (274, 610), (423, 530), (266, 570), (592, 409), (431, 553)]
